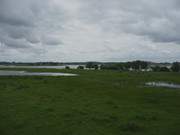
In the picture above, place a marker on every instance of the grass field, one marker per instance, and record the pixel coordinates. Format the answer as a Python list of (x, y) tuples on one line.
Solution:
[(93, 103)]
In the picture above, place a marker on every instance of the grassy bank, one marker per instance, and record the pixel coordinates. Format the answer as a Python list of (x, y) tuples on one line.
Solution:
[(93, 103)]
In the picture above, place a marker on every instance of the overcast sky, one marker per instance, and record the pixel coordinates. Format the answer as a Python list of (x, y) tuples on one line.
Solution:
[(89, 30)]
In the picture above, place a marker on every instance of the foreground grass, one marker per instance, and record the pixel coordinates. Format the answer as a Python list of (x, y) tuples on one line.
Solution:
[(94, 103)]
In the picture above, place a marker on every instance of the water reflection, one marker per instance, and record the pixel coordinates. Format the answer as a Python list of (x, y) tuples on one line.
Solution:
[(24, 73), (163, 84)]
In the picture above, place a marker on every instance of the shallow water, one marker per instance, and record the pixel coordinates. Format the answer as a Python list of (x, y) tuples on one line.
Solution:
[(24, 73), (163, 84)]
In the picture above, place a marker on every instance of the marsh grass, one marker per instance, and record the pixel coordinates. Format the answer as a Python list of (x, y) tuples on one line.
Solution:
[(94, 103)]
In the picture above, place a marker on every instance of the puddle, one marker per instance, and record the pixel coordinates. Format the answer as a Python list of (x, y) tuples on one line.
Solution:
[(24, 73), (163, 84)]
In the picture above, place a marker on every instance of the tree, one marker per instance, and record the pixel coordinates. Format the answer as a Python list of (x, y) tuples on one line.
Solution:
[(137, 65), (80, 67), (109, 67), (90, 65), (96, 67), (175, 67), (156, 68), (67, 67), (164, 69)]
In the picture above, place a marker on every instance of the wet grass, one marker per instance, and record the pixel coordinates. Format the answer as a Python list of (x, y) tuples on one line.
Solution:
[(94, 103)]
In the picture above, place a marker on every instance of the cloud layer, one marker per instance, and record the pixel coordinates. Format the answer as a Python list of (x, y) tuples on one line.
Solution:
[(95, 30)]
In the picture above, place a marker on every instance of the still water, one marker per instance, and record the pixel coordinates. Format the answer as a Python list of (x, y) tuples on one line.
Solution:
[(163, 84), (24, 73)]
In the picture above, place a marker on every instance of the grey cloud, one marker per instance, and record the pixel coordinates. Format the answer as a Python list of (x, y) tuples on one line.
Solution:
[(51, 40), (114, 30), (13, 21), (14, 43), (15, 14), (155, 19)]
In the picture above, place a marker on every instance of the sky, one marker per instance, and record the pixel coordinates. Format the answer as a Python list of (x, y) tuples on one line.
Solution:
[(89, 30)]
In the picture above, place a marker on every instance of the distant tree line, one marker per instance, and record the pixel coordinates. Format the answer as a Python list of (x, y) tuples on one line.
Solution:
[(92, 65), (30, 63), (135, 66), (120, 66), (40, 63), (175, 67)]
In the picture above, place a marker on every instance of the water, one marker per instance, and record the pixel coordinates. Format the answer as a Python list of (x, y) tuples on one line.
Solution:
[(24, 73), (163, 84)]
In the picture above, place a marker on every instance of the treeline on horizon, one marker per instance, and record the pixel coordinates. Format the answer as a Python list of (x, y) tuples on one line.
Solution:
[(73, 63), (121, 66), (39, 63), (136, 66)]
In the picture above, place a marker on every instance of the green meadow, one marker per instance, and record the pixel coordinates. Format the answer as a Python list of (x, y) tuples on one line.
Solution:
[(93, 103)]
